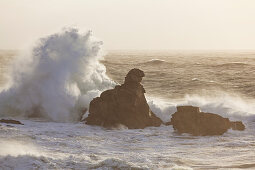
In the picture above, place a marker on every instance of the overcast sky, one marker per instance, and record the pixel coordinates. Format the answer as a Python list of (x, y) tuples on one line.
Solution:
[(133, 24)]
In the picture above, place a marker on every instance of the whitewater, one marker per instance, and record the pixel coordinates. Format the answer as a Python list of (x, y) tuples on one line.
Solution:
[(49, 87)]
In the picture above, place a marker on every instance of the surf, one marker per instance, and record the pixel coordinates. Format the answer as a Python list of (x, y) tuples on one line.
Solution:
[(61, 75)]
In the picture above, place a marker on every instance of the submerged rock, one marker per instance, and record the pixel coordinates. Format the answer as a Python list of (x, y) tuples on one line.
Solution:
[(125, 104), (189, 119), (10, 121)]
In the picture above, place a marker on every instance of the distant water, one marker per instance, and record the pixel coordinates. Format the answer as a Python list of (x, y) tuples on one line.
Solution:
[(176, 74), (218, 82)]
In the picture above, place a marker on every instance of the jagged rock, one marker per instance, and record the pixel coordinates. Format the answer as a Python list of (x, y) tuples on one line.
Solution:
[(189, 119), (125, 104), (10, 121)]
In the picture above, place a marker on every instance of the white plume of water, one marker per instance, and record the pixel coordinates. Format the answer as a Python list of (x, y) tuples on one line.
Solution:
[(62, 73), (163, 109), (230, 106), (226, 105)]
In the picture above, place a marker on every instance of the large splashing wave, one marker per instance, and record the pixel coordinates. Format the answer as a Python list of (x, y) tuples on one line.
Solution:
[(61, 75)]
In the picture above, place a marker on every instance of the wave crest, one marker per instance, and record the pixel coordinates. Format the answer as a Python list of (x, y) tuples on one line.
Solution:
[(59, 76), (154, 62)]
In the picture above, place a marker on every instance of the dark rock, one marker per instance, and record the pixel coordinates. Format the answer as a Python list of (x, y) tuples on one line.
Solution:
[(238, 125), (125, 104), (168, 123), (10, 121), (189, 119)]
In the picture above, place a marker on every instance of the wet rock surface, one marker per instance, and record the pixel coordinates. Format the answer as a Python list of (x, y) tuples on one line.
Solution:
[(125, 105), (10, 121), (189, 119)]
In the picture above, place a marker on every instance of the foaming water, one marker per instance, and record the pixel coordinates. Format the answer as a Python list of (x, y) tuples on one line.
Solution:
[(15, 148), (61, 74), (225, 105), (78, 146)]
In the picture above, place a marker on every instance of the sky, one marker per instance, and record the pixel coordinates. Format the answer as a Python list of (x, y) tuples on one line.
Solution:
[(134, 24)]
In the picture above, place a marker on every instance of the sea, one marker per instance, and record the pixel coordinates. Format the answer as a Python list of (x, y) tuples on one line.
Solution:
[(46, 86)]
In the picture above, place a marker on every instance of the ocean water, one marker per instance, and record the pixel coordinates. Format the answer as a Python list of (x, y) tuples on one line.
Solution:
[(46, 88)]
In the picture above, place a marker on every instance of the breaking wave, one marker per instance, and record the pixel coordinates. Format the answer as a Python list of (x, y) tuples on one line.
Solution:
[(233, 64), (154, 62), (226, 105), (60, 76)]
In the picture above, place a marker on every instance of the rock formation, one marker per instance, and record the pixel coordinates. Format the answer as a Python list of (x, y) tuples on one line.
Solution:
[(125, 104), (189, 119), (10, 121)]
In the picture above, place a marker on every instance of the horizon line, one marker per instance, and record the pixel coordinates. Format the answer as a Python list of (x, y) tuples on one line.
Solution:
[(133, 50)]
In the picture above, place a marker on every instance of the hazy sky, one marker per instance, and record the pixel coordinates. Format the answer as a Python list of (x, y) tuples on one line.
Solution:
[(133, 24)]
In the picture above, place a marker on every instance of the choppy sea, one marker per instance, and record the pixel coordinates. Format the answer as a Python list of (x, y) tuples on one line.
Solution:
[(221, 82)]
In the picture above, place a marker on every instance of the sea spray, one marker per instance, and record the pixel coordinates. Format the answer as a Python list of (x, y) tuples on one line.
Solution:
[(62, 73), (14, 148), (162, 108), (227, 105)]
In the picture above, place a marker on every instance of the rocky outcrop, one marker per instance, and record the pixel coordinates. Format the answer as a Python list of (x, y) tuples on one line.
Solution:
[(238, 125), (10, 121), (125, 104), (189, 119)]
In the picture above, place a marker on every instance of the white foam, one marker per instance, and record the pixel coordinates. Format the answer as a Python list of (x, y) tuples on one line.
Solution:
[(226, 105), (15, 148), (163, 109), (61, 73)]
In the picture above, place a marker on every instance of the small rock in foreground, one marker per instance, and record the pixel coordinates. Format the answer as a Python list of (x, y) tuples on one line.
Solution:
[(10, 121)]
